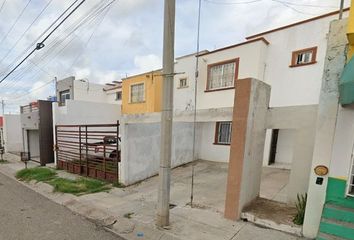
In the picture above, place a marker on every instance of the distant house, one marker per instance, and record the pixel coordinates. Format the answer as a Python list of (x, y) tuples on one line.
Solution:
[(37, 131), (142, 93), (80, 101)]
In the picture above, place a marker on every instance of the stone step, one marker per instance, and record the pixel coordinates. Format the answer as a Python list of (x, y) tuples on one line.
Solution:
[(337, 228), (338, 213), (325, 236)]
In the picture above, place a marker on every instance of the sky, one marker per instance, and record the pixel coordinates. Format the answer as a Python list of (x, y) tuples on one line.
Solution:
[(102, 44)]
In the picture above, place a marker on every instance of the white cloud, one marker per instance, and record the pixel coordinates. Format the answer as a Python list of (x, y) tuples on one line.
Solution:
[(129, 40), (147, 63)]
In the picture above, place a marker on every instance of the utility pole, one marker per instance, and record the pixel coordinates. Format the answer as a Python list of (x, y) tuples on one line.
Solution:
[(341, 9), (163, 203)]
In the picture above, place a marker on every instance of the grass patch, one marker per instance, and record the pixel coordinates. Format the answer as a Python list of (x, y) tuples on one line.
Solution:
[(3, 161), (39, 174), (79, 186)]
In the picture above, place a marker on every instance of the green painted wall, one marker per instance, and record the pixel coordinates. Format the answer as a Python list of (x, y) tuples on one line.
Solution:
[(338, 213), (346, 84), (336, 193)]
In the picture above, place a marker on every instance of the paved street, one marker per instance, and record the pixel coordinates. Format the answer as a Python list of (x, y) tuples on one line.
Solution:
[(24, 214)]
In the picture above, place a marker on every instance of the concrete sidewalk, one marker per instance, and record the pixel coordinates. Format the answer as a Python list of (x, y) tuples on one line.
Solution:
[(134, 208)]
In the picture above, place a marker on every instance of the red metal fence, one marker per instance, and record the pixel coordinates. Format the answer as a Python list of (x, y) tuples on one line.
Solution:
[(89, 150)]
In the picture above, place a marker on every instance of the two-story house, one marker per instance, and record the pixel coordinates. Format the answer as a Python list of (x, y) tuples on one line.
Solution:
[(289, 58), (142, 93)]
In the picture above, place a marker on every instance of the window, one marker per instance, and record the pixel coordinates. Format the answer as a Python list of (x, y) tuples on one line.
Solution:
[(223, 133), (183, 83), (118, 96), (304, 57), (222, 75), (63, 96), (137, 93)]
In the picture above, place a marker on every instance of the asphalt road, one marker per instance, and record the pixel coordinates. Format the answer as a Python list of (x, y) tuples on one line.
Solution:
[(26, 215)]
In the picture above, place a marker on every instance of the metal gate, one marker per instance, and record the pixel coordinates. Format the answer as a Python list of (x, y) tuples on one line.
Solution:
[(89, 150)]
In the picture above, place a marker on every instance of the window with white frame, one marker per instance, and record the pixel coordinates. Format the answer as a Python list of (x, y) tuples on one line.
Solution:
[(303, 57), (223, 133), (221, 75), (63, 96), (183, 83), (137, 93), (351, 180)]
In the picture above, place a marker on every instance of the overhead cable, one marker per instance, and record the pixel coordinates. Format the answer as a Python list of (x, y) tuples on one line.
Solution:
[(41, 44), (14, 24)]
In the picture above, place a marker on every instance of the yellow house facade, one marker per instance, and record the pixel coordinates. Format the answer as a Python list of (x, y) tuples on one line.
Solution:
[(142, 93), (350, 31)]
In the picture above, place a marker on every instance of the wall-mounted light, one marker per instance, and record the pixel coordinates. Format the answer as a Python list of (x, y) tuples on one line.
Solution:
[(321, 170)]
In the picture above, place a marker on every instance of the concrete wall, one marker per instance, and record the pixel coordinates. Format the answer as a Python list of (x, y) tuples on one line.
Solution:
[(297, 85), (298, 124), (81, 112), (90, 92), (247, 145), (284, 153), (12, 133), (343, 144), (207, 149), (30, 120), (141, 149)]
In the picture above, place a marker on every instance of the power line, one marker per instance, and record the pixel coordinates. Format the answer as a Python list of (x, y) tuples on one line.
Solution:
[(94, 13), (42, 34), (292, 8), (41, 44), (93, 32), (28, 28), (14, 24), (308, 5), (33, 90), (54, 44), (2, 5)]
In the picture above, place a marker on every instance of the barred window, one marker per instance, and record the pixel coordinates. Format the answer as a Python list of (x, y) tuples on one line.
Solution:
[(223, 132), (63, 96), (221, 75), (137, 93)]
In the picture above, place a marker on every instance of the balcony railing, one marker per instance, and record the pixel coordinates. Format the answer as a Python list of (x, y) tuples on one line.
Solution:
[(32, 107)]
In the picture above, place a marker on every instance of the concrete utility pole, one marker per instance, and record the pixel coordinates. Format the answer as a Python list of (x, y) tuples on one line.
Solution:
[(163, 205)]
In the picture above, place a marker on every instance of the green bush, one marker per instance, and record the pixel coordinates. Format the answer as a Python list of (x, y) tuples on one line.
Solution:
[(300, 207)]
